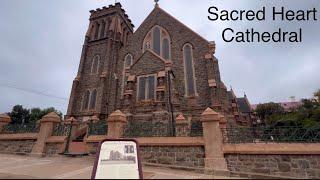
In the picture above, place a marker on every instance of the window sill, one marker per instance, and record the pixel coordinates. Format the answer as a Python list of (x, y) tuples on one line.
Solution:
[(88, 111), (192, 97), (146, 101)]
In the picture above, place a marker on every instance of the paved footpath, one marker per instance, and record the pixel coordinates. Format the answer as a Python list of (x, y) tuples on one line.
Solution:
[(60, 167)]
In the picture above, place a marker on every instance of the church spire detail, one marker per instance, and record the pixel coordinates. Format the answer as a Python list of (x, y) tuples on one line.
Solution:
[(157, 3)]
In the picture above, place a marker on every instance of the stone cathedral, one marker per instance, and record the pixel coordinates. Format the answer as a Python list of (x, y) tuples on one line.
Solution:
[(153, 74)]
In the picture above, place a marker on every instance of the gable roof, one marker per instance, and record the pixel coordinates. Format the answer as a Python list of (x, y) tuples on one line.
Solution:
[(231, 94), (243, 104), (153, 54), (157, 8)]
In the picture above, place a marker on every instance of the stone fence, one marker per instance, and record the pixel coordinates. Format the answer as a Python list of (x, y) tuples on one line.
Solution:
[(207, 153)]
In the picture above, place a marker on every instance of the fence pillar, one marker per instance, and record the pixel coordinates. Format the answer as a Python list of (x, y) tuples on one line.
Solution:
[(182, 126), (214, 160), (4, 120), (116, 122), (74, 123), (46, 129)]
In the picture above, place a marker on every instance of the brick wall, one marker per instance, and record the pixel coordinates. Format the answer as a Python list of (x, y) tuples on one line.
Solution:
[(300, 166), (19, 146)]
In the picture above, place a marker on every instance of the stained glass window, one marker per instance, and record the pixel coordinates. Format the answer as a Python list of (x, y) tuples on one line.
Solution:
[(146, 87), (95, 64), (165, 49), (93, 99), (86, 100), (156, 40), (189, 71)]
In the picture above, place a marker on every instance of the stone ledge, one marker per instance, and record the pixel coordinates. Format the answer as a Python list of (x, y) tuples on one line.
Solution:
[(26, 136), (95, 138), (257, 176), (272, 148), (157, 141), (56, 139), (199, 170), (171, 141)]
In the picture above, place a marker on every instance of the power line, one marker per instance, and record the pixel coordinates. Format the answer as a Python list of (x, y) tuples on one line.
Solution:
[(32, 91)]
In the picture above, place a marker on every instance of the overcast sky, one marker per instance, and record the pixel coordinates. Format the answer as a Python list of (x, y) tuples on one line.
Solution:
[(41, 42)]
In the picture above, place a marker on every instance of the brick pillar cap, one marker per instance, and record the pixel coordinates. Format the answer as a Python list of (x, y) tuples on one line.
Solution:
[(117, 116), (210, 115), (94, 118), (72, 120), (5, 118), (51, 117), (209, 111), (117, 113), (181, 117)]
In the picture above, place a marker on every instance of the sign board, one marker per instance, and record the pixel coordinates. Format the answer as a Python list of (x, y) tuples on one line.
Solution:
[(117, 159)]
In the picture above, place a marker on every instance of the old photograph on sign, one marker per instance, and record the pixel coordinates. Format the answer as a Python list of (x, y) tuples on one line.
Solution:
[(118, 159)]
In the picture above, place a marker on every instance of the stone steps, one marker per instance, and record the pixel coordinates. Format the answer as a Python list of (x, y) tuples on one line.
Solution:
[(77, 149)]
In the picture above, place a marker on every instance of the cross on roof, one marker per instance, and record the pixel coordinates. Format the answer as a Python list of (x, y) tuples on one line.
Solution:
[(156, 1)]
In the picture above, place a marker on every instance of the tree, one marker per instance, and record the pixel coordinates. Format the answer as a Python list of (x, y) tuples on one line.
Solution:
[(306, 116), (37, 113), (19, 115), (265, 110), (317, 97)]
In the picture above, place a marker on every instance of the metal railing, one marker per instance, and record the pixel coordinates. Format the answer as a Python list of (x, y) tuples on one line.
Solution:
[(146, 129), (98, 128), (271, 135), (61, 130), (20, 128), (196, 129)]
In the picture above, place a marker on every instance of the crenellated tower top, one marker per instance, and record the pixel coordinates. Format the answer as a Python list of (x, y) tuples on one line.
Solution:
[(112, 10)]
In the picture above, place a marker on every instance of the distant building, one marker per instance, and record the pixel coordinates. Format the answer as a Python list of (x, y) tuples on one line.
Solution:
[(240, 109), (287, 106)]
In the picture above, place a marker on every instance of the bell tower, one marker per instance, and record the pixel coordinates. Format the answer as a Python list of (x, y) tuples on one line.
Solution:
[(94, 88)]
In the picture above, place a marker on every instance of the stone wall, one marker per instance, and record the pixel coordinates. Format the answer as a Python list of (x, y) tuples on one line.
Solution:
[(19, 146), (300, 166), (187, 156), (92, 147), (53, 148)]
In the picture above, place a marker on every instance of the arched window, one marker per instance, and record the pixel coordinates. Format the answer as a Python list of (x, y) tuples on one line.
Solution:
[(95, 64), (93, 99), (96, 34), (165, 49), (103, 29), (158, 40), (146, 87), (86, 100), (128, 61), (190, 88)]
